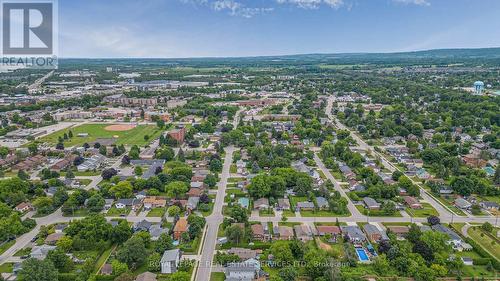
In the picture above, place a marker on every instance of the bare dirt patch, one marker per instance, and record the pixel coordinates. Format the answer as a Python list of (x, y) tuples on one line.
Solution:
[(119, 127)]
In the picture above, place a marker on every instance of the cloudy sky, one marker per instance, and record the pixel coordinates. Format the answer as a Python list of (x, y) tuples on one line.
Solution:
[(222, 28)]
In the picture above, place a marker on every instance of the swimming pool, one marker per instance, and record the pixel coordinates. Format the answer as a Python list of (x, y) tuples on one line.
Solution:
[(362, 254)]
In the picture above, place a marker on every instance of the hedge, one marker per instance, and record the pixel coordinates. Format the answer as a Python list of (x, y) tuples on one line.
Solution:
[(482, 252)]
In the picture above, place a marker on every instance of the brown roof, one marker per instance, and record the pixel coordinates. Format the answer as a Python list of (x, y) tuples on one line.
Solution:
[(398, 229), (181, 225), (23, 205), (257, 229), (328, 229), (410, 200), (53, 237), (106, 269)]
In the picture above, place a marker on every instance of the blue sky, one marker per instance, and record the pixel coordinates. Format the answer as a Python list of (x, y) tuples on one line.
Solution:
[(222, 28)]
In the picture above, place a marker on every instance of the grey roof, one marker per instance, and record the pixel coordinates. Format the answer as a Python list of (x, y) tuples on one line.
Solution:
[(322, 202), (353, 232), (443, 229), (306, 204), (170, 255), (156, 230), (142, 225), (372, 229), (489, 204), (370, 202), (462, 203), (193, 202)]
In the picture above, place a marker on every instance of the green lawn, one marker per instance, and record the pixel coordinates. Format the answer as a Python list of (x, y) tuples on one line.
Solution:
[(6, 267), (217, 276), (376, 213), (130, 137), (114, 212), (23, 252), (489, 244), (266, 213), (322, 213), (288, 213), (4, 247), (102, 259), (426, 211), (156, 212)]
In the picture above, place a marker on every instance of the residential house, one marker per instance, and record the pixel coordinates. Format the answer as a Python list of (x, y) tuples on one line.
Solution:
[(489, 205), (243, 254), (106, 269), (412, 202), (353, 234), (283, 204), (151, 202), (371, 204), (60, 227), (40, 252), (462, 204), (261, 204), (133, 203), (24, 207), (303, 232), (180, 227), (284, 233), (304, 206), (399, 231), (108, 203), (328, 230), (170, 260), (156, 231), (143, 225), (53, 238), (258, 232), (192, 203), (374, 234), (453, 237), (322, 203), (243, 271)]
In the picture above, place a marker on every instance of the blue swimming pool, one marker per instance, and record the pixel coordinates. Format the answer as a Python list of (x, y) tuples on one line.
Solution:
[(362, 254)]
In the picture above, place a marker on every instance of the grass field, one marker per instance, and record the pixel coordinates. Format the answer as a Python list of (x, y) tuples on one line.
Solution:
[(156, 212), (426, 211), (95, 131), (217, 276), (4, 247), (488, 243)]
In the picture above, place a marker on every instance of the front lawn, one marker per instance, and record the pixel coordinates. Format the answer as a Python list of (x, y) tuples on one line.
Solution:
[(115, 212), (427, 210), (6, 267), (5, 246), (376, 213), (322, 213), (486, 241), (217, 276), (156, 212), (266, 213)]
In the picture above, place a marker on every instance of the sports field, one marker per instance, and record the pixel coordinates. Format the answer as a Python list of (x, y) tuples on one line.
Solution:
[(130, 135)]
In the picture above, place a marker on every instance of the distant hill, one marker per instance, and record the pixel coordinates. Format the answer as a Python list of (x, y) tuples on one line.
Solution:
[(484, 56)]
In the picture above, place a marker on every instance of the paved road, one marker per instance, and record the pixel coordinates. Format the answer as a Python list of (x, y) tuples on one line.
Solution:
[(354, 212), (442, 211), (56, 217), (214, 220)]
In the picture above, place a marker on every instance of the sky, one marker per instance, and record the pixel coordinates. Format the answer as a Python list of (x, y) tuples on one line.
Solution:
[(234, 28)]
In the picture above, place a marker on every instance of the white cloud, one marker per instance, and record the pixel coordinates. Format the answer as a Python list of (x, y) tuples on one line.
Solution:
[(312, 4), (238, 9), (415, 2)]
